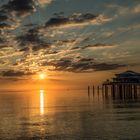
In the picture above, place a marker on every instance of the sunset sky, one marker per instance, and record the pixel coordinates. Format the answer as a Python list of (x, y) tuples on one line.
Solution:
[(74, 43)]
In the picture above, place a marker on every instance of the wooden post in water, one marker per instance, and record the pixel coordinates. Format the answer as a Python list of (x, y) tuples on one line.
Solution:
[(127, 91), (124, 91), (98, 90), (102, 89), (93, 92), (138, 89), (135, 91), (106, 89), (113, 91), (120, 88), (131, 91), (88, 91)]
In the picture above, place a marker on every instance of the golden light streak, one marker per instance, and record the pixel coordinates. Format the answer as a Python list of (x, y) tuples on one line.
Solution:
[(41, 102)]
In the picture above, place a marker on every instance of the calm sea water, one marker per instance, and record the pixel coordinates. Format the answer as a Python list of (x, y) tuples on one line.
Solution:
[(68, 115)]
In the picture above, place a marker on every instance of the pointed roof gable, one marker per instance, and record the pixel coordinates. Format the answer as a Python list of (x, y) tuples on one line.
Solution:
[(128, 74)]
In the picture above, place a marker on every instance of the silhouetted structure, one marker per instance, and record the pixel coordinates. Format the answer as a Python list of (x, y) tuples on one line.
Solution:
[(126, 84), (88, 91), (93, 90)]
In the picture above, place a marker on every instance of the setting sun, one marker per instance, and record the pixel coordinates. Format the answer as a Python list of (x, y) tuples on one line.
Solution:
[(42, 76)]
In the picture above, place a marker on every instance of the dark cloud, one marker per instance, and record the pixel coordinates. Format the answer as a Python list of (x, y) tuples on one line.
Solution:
[(3, 16), (12, 79), (2, 43), (4, 20), (75, 48), (36, 48), (98, 45), (68, 41), (106, 66), (2, 40), (12, 11), (12, 73), (19, 6), (63, 42), (63, 64), (86, 60), (4, 25), (73, 19), (82, 65), (30, 37), (33, 40)]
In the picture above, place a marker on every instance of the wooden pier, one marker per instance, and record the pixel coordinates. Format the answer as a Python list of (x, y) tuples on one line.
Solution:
[(121, 89), (124, 85)]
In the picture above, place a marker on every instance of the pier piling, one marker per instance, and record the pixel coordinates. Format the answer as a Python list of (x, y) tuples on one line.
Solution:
[(88, 91)]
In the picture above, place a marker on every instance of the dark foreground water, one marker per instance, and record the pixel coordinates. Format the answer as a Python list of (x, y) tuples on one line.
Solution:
[(68, 115)]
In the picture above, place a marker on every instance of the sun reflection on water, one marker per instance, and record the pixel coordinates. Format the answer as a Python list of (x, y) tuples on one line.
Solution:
[(41, 102)]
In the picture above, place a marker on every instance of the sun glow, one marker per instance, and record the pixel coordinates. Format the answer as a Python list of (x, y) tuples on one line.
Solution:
[(42, 76)]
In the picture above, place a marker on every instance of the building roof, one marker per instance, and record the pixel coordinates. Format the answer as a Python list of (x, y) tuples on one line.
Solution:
[(128, 74), (125, 77)]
